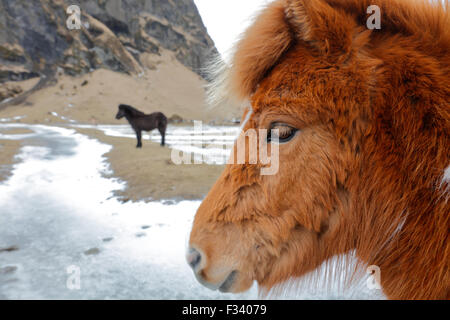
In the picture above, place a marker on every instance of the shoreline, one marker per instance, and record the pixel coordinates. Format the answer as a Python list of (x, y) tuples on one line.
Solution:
[(148, 173), (8, 151)]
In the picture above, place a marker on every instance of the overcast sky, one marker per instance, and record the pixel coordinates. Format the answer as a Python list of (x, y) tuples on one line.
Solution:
[(227, 19)]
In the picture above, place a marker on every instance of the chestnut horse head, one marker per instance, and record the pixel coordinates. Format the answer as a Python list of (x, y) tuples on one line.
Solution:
[(363, 116)]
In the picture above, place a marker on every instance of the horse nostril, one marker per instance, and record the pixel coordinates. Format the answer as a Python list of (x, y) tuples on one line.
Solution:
[(193, 258)]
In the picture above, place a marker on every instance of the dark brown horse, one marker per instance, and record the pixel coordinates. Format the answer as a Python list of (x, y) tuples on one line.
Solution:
[(140, 121)]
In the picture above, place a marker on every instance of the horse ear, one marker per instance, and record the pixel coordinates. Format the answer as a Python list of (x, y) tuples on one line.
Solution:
[(325, 27), (279, 26)]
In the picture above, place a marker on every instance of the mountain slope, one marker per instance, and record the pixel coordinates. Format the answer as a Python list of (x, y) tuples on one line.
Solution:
[(147, 53), (34, 36)]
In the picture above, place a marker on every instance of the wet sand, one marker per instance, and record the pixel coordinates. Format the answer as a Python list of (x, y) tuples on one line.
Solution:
[(150, 174), (15, 131), (8, 150)]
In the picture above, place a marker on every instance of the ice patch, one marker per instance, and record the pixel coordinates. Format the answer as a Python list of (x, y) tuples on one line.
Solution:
[(12, 119), (62, 117), (212, 145), (58, 209)]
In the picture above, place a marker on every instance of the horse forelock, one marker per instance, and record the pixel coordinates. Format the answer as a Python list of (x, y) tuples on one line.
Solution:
[(275, 31)]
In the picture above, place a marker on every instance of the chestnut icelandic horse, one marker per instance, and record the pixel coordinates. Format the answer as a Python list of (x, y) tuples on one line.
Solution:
[(365, 153)]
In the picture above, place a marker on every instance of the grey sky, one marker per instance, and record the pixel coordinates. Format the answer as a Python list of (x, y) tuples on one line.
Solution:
[(227, 19)]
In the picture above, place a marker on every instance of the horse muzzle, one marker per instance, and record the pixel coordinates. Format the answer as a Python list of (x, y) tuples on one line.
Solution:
[(218, 279)]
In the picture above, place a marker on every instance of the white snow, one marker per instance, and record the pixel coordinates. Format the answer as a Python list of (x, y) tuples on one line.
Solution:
[(12, 119), (57, 206), (62, 117), (213, 144)]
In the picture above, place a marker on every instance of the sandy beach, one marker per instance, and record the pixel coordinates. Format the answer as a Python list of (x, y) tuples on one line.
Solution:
[(150, 173), (8, 149)]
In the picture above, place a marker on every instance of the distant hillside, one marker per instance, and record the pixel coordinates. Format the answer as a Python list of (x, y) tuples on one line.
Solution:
[(34, 38), (147, 53)]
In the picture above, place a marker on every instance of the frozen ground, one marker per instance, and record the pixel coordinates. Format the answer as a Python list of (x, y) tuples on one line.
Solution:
[(58, 217), (212, 143), (58, 220)]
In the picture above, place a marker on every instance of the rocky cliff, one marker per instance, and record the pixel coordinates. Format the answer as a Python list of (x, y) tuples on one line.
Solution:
[(114, 34)]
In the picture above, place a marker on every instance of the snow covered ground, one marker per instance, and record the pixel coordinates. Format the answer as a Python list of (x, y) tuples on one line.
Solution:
[(210, 143), (58, 220)]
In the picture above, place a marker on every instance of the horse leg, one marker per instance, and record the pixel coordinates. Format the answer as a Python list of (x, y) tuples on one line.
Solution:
[(162, 131), (139, 138)]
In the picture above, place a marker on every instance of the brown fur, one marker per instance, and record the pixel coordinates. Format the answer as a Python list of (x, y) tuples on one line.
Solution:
[(364, 173)]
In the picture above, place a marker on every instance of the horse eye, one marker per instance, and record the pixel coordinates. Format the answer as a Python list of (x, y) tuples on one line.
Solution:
[(282, 132)]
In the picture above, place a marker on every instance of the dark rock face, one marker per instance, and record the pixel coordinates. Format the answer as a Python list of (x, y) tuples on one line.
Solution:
[(34, 37)]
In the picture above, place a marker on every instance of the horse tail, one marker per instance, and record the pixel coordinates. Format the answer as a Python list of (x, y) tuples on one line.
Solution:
[(162, 126), (162, 120)]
